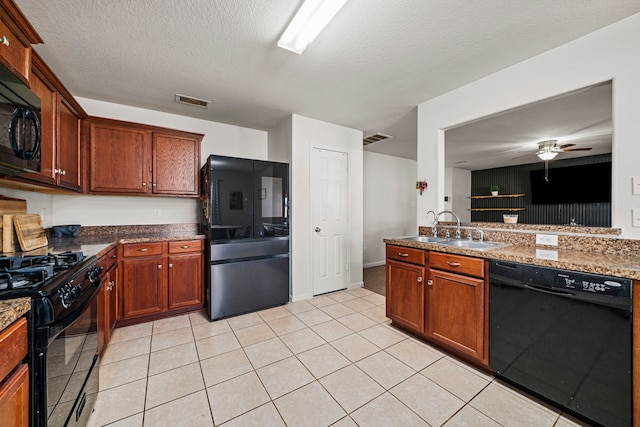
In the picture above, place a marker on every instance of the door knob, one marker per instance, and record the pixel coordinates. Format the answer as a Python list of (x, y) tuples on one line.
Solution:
[(317, 229)]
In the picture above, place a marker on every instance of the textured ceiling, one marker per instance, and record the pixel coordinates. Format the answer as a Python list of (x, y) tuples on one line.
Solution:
[(368, 69)]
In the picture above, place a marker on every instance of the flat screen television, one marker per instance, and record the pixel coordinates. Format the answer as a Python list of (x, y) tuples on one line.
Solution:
[(589, 183)]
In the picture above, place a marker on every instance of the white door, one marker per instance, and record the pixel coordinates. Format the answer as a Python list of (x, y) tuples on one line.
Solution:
[(330, 220)]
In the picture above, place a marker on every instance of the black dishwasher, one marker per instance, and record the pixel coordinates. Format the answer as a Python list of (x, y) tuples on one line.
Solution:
[(564, 336)]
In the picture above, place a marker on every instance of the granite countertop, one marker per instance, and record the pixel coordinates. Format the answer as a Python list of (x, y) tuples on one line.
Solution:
[(625, 266), (11, 310), (99, 245), (89, 245)]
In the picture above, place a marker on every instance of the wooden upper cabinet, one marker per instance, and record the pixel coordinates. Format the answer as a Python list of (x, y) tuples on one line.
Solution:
[(119, 159), (16, 37), (130, 158), (176, 164), (68, 148), (60, 118)]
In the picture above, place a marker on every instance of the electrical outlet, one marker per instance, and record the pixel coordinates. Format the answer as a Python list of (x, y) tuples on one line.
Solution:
[(547, 239), (635, 185), (547, 254), (157, 213), (635, 222)]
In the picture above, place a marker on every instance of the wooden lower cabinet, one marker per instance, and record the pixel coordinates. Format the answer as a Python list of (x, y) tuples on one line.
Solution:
[(161, 278), (14, 375), (143, 287), (185, 280), (405, 294), (440, 297), (456, 312), (108, 299)]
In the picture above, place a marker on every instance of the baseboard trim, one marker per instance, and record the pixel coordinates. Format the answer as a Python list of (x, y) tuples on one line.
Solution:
[(374, 264)]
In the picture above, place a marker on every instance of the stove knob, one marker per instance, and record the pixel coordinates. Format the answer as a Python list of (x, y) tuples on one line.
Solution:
[(63, 298), (94, 274)]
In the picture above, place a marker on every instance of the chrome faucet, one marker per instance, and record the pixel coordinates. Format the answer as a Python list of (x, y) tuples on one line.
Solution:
[(455, 216), (434, 230)]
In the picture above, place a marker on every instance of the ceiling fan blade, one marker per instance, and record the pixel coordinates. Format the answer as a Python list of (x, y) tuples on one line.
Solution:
[(563, 146), (577, 149)]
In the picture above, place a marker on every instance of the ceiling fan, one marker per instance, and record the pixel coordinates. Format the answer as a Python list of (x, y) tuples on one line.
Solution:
[(549, 149)]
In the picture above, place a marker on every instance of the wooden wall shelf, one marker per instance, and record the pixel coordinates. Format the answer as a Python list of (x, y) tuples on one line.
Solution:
[(496, 197)]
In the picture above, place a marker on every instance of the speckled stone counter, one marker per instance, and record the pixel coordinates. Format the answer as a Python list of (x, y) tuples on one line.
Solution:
[(613, 264), (12, 309)]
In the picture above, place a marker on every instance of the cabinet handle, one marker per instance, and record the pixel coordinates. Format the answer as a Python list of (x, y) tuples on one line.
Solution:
[(429, 282), (170, 265), (453, 264), (143, 249), (4, 40), (153, 185), (419, 279), (403, 255), (144, 184), (185, 247), (159, 266), (63, 172), (115, 256)]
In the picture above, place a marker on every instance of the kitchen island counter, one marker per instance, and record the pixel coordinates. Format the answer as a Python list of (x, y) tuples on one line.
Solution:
[(626, 266)]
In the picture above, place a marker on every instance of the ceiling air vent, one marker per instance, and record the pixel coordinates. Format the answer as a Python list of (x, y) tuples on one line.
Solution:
[(190, 100), (376, 137)]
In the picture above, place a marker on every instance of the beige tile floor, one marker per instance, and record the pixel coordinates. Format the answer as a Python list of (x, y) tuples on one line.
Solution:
[(332, 360)]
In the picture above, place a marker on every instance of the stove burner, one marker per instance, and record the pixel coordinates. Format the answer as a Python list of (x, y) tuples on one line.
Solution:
[(17, 272), (21, 279)]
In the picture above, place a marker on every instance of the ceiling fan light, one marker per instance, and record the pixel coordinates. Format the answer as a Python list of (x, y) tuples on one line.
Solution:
[(546, 155)]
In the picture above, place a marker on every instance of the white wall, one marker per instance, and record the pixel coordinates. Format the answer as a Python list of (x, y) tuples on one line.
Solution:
[(389, 203), (611, 53), (306, 134), (460, 202), (219, 138)]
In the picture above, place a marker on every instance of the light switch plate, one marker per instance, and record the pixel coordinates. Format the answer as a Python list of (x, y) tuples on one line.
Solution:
[(635, 185), (547, 239), (635, 221)]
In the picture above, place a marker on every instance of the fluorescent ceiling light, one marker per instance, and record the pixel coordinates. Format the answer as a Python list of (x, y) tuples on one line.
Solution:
[(311, 18)]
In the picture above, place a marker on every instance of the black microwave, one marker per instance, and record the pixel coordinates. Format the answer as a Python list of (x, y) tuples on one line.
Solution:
[(20, 133)]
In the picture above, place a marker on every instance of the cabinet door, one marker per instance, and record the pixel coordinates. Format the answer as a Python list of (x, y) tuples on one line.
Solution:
[(108, 311), (68, 146), (405, 294), (143, 287), (14, 399), (48, 105), (176, 164), (186, 280), (455, 307), (120, 159)]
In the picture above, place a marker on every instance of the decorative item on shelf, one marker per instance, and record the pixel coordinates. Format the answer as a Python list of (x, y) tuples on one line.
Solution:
[(421, 185), (494, 190), (510, 218)]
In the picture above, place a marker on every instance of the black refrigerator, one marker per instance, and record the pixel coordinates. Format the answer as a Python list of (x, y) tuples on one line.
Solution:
[(245, 216)]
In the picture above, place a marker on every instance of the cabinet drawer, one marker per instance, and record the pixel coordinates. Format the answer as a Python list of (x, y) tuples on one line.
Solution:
[(185, 246), (108, 259), (402, 253), (457, 264), (142, 249), (13, 346)]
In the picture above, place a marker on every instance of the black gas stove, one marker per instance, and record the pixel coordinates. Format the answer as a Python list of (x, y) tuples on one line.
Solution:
[(63, 289)]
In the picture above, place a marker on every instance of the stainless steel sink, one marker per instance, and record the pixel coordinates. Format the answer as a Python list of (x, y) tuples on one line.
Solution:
[(423, 239), (473, 244), (458, 243)]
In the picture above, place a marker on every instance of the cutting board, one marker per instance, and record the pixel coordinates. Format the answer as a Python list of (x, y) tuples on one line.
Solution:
[(8, 238), (31, 234)]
